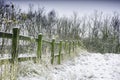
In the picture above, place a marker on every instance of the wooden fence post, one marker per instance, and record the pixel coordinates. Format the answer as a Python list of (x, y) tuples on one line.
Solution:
[(15, 42), (69, 47), (73, 45), (66, 46), (52, 50), (39, 46), (60, 50), (78, 43)]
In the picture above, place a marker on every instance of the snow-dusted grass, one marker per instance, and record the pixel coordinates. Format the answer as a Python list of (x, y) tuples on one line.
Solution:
[(8, 56), (86, 66), (8, 71)]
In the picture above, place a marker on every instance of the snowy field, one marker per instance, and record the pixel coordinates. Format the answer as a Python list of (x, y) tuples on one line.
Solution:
[(86, 66)]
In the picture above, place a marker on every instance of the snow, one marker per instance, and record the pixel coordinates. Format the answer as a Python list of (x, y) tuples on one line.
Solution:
[(86, 66)]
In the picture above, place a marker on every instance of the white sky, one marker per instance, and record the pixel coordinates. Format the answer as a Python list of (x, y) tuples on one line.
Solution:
[(67, 8)]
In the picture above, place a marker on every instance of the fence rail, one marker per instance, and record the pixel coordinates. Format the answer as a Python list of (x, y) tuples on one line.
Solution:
[(69, 46)]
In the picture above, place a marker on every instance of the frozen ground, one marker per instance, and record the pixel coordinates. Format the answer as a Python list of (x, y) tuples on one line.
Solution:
[(86, 66)]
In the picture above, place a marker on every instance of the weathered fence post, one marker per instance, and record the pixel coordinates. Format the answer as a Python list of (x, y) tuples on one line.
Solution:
[(15, 42), (69, 47), (73, 45), (65, 44), (60, 50), (66, 47), (77, 43), (39, 46), (52, 50)]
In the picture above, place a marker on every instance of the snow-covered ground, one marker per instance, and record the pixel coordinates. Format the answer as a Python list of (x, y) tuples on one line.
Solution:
[(86, 66)]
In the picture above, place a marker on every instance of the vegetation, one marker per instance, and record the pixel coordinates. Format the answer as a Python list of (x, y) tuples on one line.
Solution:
[(99, 32), (31, 24)]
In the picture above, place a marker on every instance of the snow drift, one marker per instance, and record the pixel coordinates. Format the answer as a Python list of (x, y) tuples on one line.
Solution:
[(86, 66)]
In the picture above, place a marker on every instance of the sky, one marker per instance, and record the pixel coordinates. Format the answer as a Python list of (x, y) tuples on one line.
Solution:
[(67, 7)]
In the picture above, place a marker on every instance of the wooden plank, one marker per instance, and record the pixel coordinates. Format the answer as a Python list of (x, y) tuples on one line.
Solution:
[(57, 43), (9, 36), (25, 38), (26, 59), (2, 61), (5, 35), (46, 41)]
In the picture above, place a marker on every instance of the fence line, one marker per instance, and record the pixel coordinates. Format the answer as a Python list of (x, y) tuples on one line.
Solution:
[(69, 46)]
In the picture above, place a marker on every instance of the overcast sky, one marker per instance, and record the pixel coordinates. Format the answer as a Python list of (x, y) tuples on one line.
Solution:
[(67, 7)]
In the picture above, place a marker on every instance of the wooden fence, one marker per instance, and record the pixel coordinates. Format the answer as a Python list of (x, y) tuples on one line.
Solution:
[(70, 45)]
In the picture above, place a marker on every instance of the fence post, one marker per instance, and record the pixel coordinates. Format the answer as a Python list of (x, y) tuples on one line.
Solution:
[(39, 46), (52, 50), (15, 42), (60, 50), (73, 45), (75, 41), (78, 43), (66, 46), (69, 47)]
